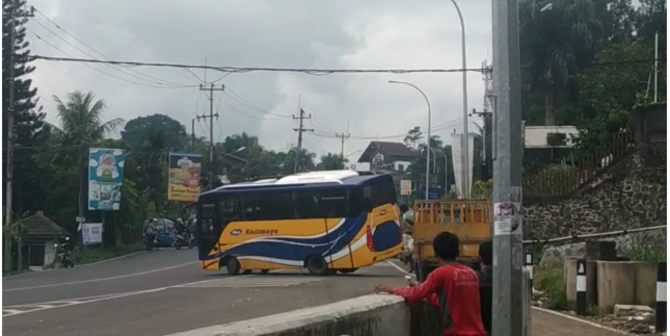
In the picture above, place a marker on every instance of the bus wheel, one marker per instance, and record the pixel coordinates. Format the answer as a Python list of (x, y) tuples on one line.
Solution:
[(347, 270), (232, 265), (265, 271), (317, 265)]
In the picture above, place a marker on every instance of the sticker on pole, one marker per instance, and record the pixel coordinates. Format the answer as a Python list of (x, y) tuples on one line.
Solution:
[(507, 219)]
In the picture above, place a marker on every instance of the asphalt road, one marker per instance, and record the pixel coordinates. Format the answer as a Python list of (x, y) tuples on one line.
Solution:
[(164, 292)]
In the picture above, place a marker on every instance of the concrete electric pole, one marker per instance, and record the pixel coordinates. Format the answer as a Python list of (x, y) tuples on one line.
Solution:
[(301, 118), (508, 319), (211, 117)]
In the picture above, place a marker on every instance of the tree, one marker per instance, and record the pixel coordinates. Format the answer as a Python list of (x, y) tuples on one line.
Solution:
[(81, 125), (139, 129), (28, 115), (414, 135), (331, 161), (554, 44)]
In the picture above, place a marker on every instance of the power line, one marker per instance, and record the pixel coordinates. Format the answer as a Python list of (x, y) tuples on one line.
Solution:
[(309, 71), (439, 127), (96, 69), (152, 78), (233, 69), (245, 102)]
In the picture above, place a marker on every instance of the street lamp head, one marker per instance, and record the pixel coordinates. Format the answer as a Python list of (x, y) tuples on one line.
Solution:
[(239, 150)]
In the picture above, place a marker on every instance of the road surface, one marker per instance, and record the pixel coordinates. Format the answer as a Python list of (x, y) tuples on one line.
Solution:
[(164, 292)]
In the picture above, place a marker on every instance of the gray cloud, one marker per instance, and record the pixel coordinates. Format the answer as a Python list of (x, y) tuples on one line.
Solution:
[(289, 33)]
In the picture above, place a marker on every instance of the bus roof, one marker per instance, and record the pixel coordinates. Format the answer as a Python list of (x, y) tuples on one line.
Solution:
[(332, 179)]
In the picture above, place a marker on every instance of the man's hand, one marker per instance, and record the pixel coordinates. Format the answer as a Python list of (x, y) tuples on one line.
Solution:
[(383, 289)]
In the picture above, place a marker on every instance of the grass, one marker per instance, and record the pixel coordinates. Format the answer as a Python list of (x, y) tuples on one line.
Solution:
[(94, 254), (551, 282)]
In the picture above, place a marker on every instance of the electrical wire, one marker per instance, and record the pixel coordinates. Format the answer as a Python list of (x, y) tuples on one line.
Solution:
[(450, 124), (308, 71), (239, 99), (98, 70), (152, 78), (233, 69)]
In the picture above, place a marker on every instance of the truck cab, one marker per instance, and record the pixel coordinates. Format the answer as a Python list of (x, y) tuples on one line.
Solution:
[(470, 220)]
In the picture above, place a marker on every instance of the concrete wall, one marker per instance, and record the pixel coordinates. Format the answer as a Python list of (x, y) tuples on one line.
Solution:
[(371, 315), (625, 282)]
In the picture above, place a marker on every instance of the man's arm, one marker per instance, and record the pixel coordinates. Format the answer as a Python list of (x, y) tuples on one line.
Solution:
[(418, 293)]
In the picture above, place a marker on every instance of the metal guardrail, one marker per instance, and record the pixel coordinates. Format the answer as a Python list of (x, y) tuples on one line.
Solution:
[(594, 235)]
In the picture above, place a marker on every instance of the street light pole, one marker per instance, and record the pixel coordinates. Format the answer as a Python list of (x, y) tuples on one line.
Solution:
[(427, 133), (465, 143)]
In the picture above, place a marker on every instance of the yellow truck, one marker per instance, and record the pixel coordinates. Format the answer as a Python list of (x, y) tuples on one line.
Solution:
[(470, 220)]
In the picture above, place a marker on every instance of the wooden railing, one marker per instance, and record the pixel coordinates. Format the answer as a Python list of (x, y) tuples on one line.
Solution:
[(562, 182)]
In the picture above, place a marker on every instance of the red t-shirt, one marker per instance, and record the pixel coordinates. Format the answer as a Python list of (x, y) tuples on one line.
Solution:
[(454, 288)]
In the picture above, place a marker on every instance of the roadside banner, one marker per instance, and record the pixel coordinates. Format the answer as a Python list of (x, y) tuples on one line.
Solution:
[(184, 177), (91, 233), (105, 176), (405, 187)]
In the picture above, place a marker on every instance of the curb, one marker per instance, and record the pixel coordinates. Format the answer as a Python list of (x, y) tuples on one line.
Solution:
[(577, 319)]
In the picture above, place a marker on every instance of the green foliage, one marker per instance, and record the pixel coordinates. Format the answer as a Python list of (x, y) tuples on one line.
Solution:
[(93, 254), (588, 63), (552, 283), (482, 189), (642, 251)]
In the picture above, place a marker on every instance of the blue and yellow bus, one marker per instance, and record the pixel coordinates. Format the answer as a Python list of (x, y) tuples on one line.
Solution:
[(326, 222)]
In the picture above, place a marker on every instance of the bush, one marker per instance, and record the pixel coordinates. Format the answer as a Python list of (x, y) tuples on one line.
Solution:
[(551, 282)]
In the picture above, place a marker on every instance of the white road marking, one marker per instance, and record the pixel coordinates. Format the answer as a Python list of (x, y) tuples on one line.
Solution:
[(99, 279), (32, 308), (35, 307), (399, 268), (78, 265), (251, 282)]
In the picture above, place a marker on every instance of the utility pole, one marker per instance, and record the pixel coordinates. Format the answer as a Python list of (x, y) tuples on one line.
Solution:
[(508, 319), (301, 118), (343, 138), (487, 139), (211, 117), (193, 134)]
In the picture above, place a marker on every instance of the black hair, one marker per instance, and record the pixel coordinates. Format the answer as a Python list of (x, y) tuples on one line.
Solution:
[(486, 253), (446, 246)]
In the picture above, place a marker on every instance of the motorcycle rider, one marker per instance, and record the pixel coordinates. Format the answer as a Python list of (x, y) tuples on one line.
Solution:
[(180, 227), (151, 231)]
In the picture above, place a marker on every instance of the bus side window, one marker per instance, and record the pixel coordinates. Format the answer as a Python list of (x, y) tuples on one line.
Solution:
[(229, 209), (356, 202), (268, 206), (306, 205), (333, 204), (383, 192)]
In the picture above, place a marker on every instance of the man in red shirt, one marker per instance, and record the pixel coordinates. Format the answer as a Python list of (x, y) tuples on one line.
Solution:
[(452, 287)]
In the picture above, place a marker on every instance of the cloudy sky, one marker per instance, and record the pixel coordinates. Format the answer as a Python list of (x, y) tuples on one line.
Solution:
[(398, 34)]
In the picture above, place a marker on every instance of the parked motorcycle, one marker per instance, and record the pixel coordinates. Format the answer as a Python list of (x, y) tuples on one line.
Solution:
[(64, 253)]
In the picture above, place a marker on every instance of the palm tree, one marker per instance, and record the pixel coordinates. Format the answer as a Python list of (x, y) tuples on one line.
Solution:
[(80, 118), (81, 126), (555, 41)]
